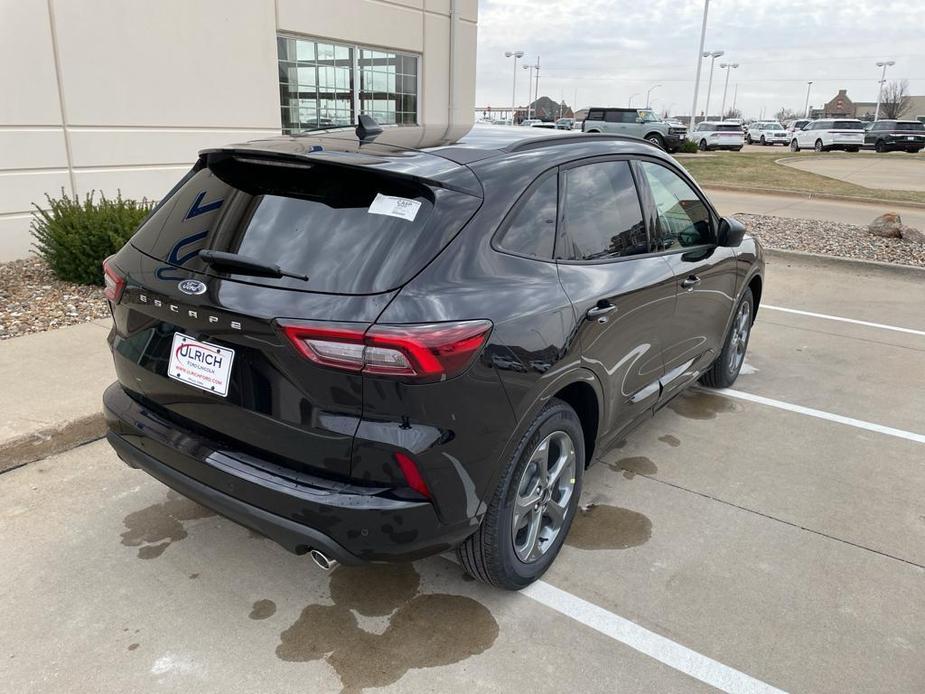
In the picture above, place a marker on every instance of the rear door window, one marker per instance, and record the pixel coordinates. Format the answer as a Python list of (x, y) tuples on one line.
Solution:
[(602, 217), (349, 230), (848, 125), (532, 228)]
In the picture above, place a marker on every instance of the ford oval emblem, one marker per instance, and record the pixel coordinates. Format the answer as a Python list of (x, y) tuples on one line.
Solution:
[(192, 287)]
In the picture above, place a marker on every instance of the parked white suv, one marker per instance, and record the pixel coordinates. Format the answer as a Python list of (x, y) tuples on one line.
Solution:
[(828, 134), (716, 135), (767, 132)]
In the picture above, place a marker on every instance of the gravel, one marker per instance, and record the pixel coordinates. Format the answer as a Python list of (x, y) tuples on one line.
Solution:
[(32, 300), (831, 238)]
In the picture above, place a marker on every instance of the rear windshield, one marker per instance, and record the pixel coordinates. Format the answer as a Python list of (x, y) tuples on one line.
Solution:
[(350, 231), (848, 125), (910, 126), (728, 127)]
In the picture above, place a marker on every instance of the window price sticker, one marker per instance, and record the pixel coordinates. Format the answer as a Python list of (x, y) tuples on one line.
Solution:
[(403, 208)]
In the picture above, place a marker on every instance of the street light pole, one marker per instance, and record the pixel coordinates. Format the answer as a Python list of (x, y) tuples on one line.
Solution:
[(729, 68), (713, 56), (703, 36), (515, 55), (536, 87), (809, 85), (649, 93), (529, 87), (884, 64), (735, 96)]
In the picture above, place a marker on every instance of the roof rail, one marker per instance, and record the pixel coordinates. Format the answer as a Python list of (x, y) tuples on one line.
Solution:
[(539, 142)]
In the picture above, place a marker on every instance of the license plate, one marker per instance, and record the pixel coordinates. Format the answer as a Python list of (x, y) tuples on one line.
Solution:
[(200, 364)]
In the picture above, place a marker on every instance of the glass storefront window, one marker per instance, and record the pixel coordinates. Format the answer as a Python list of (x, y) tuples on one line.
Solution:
[(322, 84)]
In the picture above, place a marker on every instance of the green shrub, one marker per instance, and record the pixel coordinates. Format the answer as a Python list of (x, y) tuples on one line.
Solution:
[(74, 238), (688, 147)]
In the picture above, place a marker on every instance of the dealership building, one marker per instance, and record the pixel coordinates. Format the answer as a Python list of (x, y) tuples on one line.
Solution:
[(118, 95)]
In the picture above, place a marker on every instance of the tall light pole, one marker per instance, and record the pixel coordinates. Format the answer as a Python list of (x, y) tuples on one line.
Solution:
[(649, 93), (809, 85), (630, 101), (703, 36), (884, 64), (515, 55), (529, 88), (536, 86), (735, 96), (729, 67), (713, 55)]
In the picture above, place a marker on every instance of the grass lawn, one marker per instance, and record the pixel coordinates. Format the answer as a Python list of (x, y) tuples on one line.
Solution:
[(756, 170)]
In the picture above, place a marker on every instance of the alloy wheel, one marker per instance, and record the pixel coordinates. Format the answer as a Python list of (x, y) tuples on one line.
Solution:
[(542, 496), (739, 342)]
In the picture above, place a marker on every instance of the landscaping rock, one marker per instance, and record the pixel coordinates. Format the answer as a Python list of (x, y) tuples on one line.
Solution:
[(913, 235), (887, 225)]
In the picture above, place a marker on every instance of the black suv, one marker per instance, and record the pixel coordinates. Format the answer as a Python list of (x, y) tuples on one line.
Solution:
[(376, 347), (892, 135)]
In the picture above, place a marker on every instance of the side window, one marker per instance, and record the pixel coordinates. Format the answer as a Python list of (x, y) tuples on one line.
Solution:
[(613, 117), (683, 218), (532, 229), (595, 114), (602, 217)]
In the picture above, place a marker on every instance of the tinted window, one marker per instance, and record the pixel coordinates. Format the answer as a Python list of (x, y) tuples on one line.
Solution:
[(317, 221), (848, 125), (683, 218), (532, 229), (595, 114), (602, 217), (614, 117), (728, 128), (918, 127)]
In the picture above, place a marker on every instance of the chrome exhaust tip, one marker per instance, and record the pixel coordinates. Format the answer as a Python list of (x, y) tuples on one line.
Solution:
[(324, 562)]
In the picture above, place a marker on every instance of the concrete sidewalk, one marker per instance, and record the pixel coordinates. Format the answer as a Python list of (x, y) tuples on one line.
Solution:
[(50, 397), (848, 212)]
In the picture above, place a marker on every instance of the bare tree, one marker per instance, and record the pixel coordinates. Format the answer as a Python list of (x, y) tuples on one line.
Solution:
[(785, 114), (732, 113), (894, 99)]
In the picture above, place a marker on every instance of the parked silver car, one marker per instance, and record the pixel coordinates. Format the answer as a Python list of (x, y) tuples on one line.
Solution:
[(643, 123)]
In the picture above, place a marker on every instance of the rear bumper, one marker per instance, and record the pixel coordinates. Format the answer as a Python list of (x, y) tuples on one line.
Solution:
[(351, 524)]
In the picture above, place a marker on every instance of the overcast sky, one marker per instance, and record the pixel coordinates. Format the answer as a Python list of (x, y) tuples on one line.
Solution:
[(606, 51)]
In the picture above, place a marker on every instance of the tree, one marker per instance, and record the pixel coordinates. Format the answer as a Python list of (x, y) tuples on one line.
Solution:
[(732, 113), (784, 114), (894, 99)]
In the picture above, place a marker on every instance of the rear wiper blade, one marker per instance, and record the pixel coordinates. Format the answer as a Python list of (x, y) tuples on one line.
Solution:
[(246, 265)]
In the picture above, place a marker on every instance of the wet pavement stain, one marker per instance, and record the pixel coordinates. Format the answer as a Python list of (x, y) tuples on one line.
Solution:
[(154, 528), (700, 405), (608, 527), (263, 609), (424, 630), (672, 441), (133, 646), (194, 576), (639, 465)]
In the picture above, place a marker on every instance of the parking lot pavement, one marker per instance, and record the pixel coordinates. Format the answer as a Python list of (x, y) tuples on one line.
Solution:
[(871, 172), (726, 541)]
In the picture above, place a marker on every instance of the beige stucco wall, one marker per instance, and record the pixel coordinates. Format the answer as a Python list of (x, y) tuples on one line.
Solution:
[(120, 94)]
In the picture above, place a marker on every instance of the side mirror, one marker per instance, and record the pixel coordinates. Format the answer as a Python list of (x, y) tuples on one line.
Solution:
[(640, 120), (731, 232)]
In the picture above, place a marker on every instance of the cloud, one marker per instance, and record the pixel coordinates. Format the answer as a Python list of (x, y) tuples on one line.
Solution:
[(606, 52)]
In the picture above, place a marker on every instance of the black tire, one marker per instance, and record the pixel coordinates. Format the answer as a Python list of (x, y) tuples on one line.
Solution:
[(724, 370), (794, 145), (880, 147), (764, 142), (819, 147), (736, 149), (489, 555), (913, 151), (703, 146), (593, 131), (656, 140), (852, 149), (748, 139)]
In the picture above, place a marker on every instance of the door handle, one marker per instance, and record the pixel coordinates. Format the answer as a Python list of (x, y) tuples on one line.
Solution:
[(691, 282), (600, 312)]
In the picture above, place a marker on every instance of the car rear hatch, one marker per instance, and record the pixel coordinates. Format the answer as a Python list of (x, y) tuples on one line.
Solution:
[(201, 343)]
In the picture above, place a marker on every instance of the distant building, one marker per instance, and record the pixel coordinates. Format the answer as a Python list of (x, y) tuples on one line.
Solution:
[(843, 107), (840, 106)]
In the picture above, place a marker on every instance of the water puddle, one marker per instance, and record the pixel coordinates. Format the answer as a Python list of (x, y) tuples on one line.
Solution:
[(263, 609), (672, 441), (698, 404), (424, 630), (155, 528), (600, 526), (639, 465)]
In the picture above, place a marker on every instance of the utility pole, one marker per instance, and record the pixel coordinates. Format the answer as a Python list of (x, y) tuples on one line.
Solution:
[(884, 64), (515, 55), (713, 56), (703, 36), (536, 89), (809, 85), (729, 68)]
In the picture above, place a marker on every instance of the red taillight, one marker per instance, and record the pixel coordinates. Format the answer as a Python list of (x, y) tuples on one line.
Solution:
[(412, 475), (422, 353), (113, 282)]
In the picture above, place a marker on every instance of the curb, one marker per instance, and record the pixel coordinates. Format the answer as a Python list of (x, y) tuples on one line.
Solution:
[(910, 271), (51, 440), (780, 192)]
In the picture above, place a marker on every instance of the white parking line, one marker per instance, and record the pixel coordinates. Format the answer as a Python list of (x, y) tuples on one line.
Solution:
[(821, 414), (662, 649), (841, 319)]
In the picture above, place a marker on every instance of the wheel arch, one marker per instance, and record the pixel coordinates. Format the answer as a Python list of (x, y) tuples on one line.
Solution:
[(583, 398), (756, 284)]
